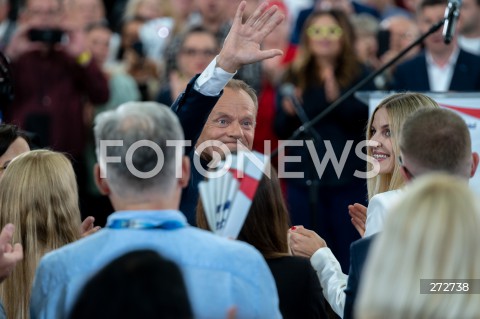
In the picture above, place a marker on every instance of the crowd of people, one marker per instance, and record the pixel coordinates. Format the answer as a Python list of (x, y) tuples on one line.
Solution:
[(100, 209)]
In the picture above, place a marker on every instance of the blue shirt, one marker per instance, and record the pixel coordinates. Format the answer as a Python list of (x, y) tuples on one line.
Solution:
[(219, 273)]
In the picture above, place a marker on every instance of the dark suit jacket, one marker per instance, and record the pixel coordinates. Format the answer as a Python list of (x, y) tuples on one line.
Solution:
[(192, 109), (358, 255), (299, 290), (412, 74)]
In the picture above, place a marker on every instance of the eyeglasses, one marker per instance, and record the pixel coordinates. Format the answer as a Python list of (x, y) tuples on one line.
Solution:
[(191, 52), (321, 33)]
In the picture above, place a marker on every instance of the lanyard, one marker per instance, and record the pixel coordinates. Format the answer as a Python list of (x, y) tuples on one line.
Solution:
[(144, 224)]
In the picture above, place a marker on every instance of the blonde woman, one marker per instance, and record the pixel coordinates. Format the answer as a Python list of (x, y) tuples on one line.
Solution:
[(38, 194), (433, 234), (383, 129)]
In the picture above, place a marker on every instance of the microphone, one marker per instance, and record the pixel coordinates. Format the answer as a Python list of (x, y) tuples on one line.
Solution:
[(288, 90), (451, 16)]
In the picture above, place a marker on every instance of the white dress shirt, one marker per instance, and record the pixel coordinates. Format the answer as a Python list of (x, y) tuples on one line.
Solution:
[(439, 77)]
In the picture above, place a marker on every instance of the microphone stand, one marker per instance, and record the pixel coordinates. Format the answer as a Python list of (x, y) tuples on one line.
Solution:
[(313, 181), (307, 126)]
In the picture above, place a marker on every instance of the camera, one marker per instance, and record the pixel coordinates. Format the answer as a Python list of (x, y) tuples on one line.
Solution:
[(49, 36)]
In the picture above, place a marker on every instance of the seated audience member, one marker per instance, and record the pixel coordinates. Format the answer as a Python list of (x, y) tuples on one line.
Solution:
[(139, 284), (440, 67), (383, 131), (13, 142), (266, 228), (219, 273), (431, 236), (38, 194), (206, 112)]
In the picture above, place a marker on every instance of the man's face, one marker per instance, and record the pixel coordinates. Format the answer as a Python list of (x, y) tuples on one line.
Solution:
[(429, 16), (43, 13), (231, 120), (98, 41), (212, 10), (469, 21)]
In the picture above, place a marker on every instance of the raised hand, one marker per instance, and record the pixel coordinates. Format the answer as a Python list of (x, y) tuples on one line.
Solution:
[(87, 227), (20, 44), (9, 255), (243, 43)]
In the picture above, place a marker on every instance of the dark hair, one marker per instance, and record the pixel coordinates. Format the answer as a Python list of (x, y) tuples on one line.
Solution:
[(102, 24), (195, 29), (267, 222), (8, 134), (304, 69), (139, 284), (429, 3)]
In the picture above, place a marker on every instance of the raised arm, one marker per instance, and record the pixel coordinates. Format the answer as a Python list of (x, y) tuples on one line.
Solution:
[(242, 46)]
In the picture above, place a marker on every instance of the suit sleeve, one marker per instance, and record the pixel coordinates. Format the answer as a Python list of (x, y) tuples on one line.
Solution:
[(352, 285), (193, 109)]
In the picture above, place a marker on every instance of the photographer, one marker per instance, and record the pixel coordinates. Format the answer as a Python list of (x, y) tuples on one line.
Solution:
[(54, 76)]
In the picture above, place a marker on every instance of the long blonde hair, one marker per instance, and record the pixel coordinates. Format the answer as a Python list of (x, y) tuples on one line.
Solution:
[(432, 234), (398, 107), (38, 194)]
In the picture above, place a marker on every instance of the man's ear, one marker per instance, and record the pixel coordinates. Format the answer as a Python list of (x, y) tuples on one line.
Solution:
[(475, 159), (407, 177), (101, 183), (185, 178)]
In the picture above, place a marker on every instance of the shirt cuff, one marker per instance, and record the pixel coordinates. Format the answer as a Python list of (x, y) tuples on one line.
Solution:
[(212, 80), (321, 258)]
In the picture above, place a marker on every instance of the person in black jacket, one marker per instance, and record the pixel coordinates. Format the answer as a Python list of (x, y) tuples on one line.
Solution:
[(193, 107)]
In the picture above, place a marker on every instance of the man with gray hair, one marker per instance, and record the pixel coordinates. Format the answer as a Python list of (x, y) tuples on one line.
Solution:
[(144, 170)]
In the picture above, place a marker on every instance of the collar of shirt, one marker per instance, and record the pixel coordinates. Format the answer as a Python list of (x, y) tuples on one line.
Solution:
[(147, 219), (440, 76)]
